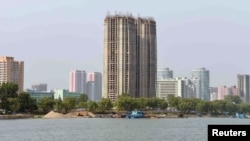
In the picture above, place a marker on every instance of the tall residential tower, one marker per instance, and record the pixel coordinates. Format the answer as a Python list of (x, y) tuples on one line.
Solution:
[(203, 75), (77, 81), (12, 71), (130, 56), (94, 86), (244, 87)]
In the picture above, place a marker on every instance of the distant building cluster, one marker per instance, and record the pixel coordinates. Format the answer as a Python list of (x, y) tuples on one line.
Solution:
[(86, 83), (80, 82), (195, 87), (198, 86)]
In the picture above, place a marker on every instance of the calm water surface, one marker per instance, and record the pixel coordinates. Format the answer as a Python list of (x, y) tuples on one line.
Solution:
[(98, 129)]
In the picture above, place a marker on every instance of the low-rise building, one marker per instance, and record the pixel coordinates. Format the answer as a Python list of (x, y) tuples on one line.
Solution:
[(62, 93), (39, 87), (38, 95), (169, 87)]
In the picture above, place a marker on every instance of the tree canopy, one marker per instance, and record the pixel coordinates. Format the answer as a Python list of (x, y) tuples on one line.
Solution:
[(7, 90)]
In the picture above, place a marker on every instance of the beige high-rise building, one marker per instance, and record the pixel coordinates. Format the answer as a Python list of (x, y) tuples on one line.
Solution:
[(130, 56), (12, 71)]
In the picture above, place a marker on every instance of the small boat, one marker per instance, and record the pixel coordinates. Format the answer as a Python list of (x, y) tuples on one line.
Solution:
[(137, 114), (240, 115), (134, 114)]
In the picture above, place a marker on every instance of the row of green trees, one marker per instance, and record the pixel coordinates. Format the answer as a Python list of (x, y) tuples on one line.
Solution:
[(125, 102), (11, 101), (230, 105)]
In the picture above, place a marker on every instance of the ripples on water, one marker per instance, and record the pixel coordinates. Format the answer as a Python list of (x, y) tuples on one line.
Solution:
[(101, 129)]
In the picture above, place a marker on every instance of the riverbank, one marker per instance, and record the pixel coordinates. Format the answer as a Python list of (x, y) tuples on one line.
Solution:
[(87, 114), (17, 116)]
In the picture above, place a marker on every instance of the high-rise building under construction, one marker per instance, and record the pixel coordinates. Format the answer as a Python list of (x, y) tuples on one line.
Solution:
[(130, 56)]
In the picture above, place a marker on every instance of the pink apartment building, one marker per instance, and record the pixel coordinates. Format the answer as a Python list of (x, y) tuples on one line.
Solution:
[(224, 90), (77, 81)]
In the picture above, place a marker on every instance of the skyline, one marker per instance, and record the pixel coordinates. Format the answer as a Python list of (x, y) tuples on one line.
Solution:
[(53, 38)]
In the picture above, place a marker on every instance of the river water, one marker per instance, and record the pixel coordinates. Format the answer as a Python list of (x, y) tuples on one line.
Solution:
[(108, 129)]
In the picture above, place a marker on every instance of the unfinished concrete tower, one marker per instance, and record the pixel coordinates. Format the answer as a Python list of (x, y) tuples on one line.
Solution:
[(129, 56)]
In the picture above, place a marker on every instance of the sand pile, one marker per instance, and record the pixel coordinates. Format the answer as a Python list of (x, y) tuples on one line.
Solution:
[(71, 115), (80, 114), (53, 114), (90, 114)]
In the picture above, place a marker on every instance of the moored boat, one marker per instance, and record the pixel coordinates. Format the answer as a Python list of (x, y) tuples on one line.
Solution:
[(240, 115), (134, 114)]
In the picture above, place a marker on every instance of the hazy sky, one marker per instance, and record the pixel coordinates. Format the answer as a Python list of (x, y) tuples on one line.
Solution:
[(54, 36)]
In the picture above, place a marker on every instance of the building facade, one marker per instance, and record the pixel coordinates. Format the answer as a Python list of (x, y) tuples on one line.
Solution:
[(94, 86), (203, 75), (213, 96), (62, 94), (243, 86), (170, 87), (224, 91), (77, 81), (164, 73), (38, 95), (234, 90), (12, 71), (39, 87), (190, 88), (213, 93), (130, 56)]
